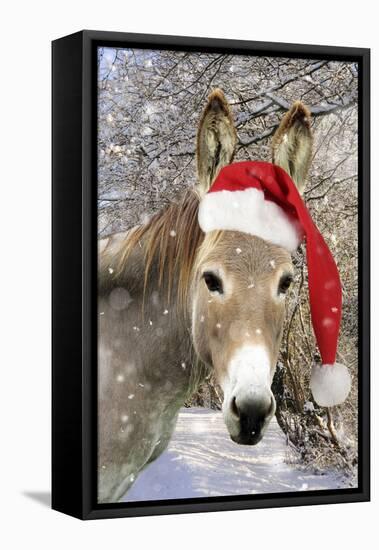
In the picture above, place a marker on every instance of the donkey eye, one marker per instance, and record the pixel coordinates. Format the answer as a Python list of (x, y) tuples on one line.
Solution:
[(285, 283), (213, 282)]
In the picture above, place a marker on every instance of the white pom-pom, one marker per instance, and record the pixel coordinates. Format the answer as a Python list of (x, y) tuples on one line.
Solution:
[(330, 384)]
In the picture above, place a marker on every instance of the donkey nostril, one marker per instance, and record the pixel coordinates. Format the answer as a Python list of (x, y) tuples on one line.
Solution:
[(234, 408)]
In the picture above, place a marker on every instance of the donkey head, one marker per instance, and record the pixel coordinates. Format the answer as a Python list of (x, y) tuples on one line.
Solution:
[(241, 280)]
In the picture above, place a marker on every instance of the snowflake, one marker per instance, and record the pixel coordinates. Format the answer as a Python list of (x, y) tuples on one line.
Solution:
[(251, 285), (119, 299), (258, 331), (218, 325), (147, 131), (165, 312), (120, 378), (272, 264), (238, 250), (172, 233), (131, 396), (110, 269), (308, 406), (183, 365)]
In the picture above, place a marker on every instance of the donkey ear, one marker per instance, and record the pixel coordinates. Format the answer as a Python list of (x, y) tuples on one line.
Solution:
[(292, 144), (216, 139)]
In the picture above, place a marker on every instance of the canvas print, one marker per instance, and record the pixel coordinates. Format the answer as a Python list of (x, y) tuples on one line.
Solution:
[(227, 274)]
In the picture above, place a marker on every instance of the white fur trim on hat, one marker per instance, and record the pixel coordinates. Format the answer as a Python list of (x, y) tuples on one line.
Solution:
[(330, 384), (249, 212)]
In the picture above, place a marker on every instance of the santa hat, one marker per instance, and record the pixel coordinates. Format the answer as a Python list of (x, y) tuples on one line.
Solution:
[(261, 199)]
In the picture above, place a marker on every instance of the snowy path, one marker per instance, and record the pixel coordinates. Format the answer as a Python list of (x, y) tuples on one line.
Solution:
[(202, 461)]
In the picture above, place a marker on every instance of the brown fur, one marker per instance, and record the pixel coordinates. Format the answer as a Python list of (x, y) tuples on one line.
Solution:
[(251, 308), (174, 255), (216, 139), (292, 143)]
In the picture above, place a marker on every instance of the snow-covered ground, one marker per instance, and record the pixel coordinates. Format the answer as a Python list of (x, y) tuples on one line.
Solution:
[(202, 461)]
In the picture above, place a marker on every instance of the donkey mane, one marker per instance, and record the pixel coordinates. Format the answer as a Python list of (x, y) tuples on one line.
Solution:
[(170, 242)]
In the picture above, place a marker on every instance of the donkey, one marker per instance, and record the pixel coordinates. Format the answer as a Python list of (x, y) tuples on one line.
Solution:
[(175, 303)]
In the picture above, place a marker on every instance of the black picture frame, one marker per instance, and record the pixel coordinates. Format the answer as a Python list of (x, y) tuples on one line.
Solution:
[(74, 272)]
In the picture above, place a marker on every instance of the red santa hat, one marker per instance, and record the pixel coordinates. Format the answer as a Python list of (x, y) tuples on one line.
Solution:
[(261, 199)]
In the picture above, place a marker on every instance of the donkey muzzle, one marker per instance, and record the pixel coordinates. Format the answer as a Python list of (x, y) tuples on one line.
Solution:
[(248, 414)]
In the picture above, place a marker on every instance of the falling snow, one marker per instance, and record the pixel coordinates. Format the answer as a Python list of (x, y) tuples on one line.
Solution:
[(308, 406), (119, 299), (131, 396), (329, 284), (155, 298), (238, 250)]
